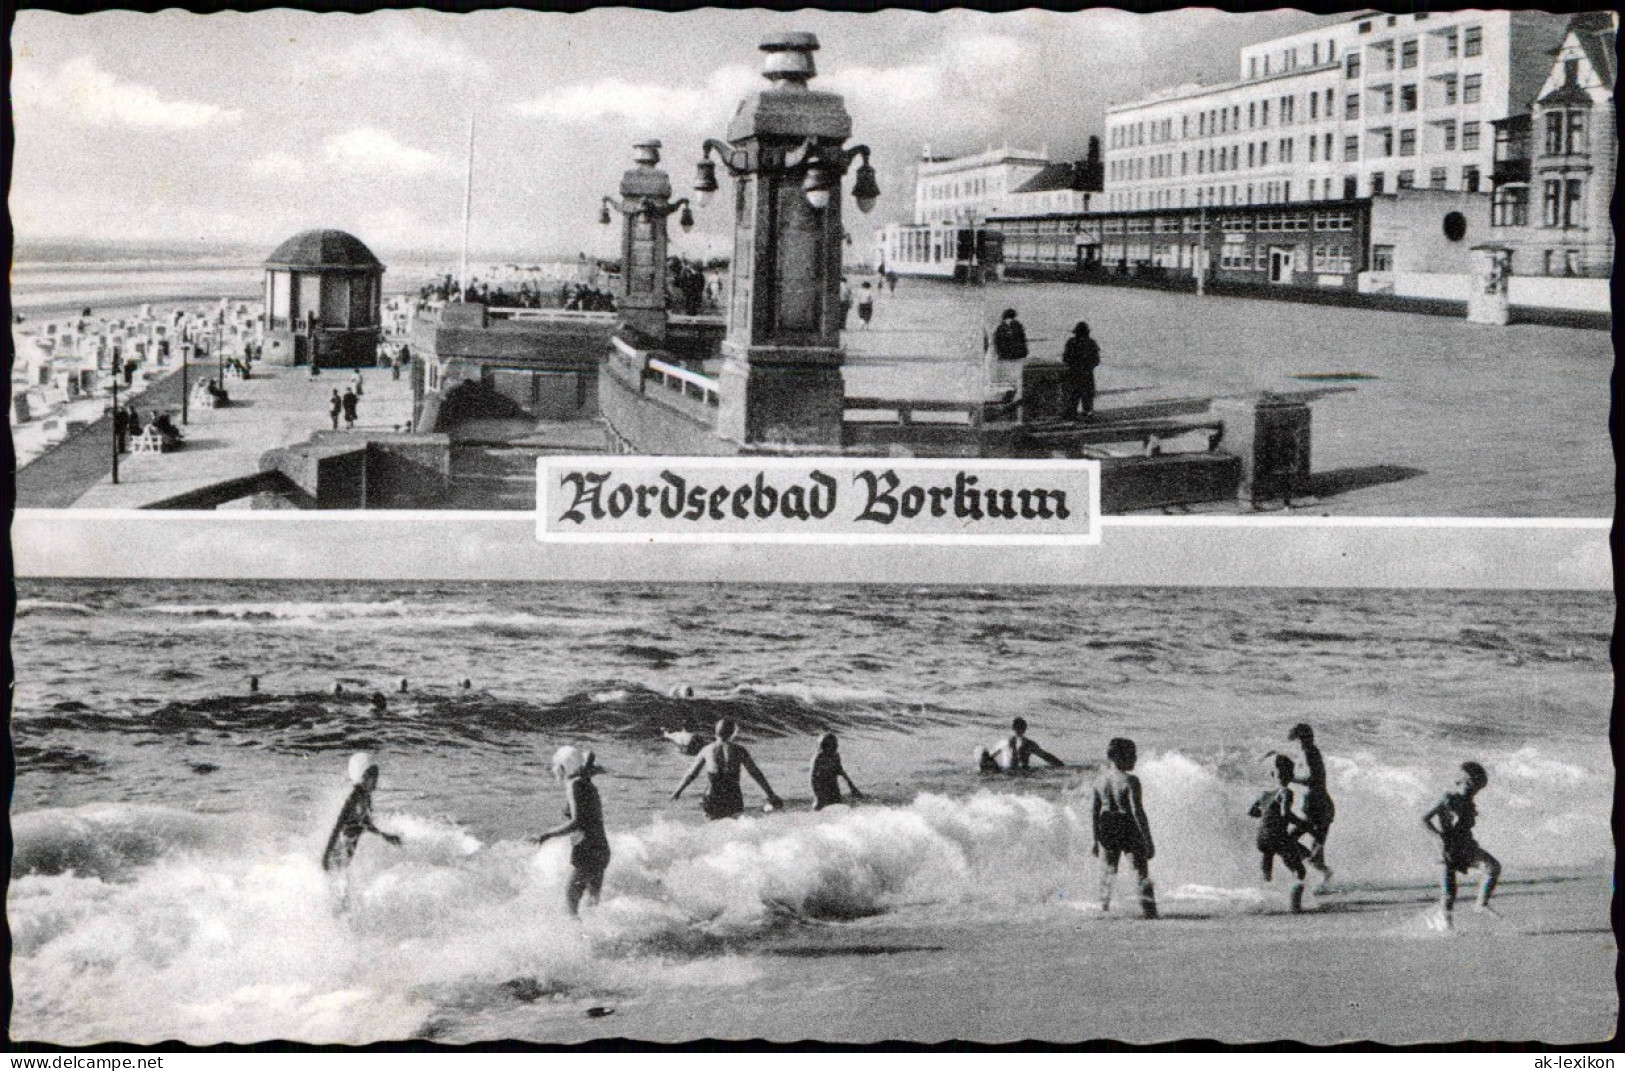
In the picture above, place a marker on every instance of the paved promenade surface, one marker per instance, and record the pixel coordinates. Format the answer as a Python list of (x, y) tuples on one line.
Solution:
[(1454, 419), (277, 407)]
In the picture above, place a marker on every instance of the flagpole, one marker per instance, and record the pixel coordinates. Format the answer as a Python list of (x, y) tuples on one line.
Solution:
[(468, 204)]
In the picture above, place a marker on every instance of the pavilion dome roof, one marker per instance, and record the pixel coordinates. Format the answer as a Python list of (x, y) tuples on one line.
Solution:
[(320, 249)]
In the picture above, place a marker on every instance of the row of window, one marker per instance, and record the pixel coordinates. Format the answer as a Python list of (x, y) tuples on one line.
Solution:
[(1445, 46), (1441, 92), (1562, 204)]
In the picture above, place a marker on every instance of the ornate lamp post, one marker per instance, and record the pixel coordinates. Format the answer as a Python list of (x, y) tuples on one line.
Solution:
[(781, 376), (645, 203)]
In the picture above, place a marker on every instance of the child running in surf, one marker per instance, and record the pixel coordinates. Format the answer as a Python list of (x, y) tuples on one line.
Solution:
[(1318, 808), (722, 761), (1121, 827), (1457, 814), (1278, 830), (827, 772), (354, 819)]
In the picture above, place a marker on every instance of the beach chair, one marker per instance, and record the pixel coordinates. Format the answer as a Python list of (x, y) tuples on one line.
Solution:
[(150, 441)]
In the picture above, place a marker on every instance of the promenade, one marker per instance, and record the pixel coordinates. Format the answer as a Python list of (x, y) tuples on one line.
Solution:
[(275, 408), (1446, 418)]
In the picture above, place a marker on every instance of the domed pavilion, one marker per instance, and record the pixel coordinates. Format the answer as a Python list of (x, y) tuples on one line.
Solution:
[(323, 299)]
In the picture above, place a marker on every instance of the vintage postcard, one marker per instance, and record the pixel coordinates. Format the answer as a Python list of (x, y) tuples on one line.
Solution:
[(865, 528)]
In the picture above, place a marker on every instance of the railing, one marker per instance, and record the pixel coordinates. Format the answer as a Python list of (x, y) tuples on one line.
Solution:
[(905, 409), (701, 388), (577, 316), (678, 380)]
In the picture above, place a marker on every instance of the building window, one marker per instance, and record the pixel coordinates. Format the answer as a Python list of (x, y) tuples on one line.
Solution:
[(1263, 154), (1351, 147), (1351, 187), (1469, 179), (1382, 258), (1407, 98), (1314, 106), (1577, 133), (1472, 41), (1408, 54), (1252, 115), (1574, 203), (1286, 150), (1382, 143), (1264, 113), (1312, 146), (1436, 178), (1510, 207), (1252, 67), (1365, 27), (1554, 133), (1469, 136), (1376, 182), (1249, 154), (1351, 65), (1472, 88), (1405, 181), (1407, 143), (1449, 135), (1387, 99), (1449, 89), (1287, 109), (1552, 203), (1351, 107), (1452, 47)]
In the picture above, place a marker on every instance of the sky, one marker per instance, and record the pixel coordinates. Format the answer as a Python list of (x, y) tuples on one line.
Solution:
[(248, 127)]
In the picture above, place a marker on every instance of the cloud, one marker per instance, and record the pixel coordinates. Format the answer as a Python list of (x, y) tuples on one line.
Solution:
[(80, 93), (368, 150), (403, 49), (362, 151), (615, 99), (276, 165)]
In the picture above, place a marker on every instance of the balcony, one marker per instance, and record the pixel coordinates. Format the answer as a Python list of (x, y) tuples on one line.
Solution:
[(1508, 172)]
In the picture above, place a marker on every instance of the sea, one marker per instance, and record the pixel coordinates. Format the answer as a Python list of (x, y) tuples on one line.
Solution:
[(168, 820), (63, 277)]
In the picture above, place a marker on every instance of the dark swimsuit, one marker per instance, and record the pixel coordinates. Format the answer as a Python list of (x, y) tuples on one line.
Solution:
[(1275, 830), (723, 797), (589, 852), (354, 820), (1115, 827), (826, 785), (1460, 847), (1318, 808)]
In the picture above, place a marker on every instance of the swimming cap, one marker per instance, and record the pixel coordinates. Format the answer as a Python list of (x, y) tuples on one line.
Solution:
[(726, 729), (827, 742), (569, 760), (360, 763)]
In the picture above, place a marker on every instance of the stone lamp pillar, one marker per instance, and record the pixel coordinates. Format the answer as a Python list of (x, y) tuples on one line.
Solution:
[(781, 380), (645, 203)]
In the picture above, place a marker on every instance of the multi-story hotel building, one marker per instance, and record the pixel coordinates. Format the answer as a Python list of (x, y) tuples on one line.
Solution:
[(965, 189), (1374, 104)]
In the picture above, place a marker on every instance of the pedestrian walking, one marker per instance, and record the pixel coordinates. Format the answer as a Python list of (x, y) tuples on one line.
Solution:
[(866, 304), (1081, 357), (349, 404), (335, 408)]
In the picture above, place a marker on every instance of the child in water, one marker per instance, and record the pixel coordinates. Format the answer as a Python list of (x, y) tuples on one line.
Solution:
[(1015, 753), (1457, 814), (354, 819), (589, 850), (1278, 829), (1121, 827), (827, 772), (1318, 808)]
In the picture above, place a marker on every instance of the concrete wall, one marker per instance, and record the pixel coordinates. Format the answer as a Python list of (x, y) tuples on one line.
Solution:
[(648, 423), (408, 472), (1412, 221)]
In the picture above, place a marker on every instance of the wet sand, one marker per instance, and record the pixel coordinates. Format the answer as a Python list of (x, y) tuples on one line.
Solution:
[(1362, 964)]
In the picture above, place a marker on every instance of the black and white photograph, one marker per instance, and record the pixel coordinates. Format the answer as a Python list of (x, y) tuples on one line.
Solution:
[(760, 526)]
